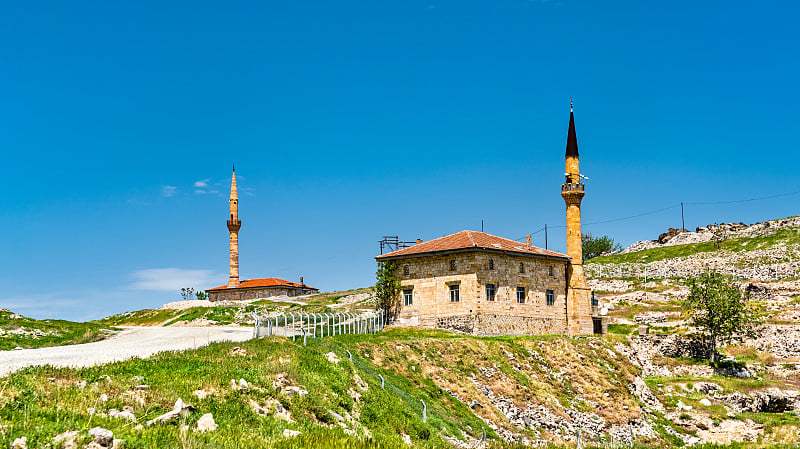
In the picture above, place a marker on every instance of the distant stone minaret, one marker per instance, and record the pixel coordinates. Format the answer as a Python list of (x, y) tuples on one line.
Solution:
[(234, 224), (579, 311)]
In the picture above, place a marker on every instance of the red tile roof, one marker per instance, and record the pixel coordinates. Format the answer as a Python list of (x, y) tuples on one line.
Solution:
[(471, 239), (266, 282)]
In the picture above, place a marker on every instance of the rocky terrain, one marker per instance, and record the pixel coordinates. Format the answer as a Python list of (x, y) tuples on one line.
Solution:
[(714, 232), (756, 386)]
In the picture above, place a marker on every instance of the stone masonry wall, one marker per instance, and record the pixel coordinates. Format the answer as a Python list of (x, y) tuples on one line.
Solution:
[(253, 293), (429, 278)]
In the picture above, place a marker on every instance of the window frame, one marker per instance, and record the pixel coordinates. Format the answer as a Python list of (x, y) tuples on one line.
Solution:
[(522, 267), (452, 265), (550, 296), (406, 270), (493, 289), (491, 264), (550, 270), (408, 297), (455, 288), (521, 300)]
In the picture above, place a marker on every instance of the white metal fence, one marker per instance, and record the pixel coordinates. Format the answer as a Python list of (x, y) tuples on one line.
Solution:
[(302, 324)]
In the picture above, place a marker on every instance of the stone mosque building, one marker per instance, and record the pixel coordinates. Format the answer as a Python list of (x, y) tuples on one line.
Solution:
[(250, 288), (489, 285)]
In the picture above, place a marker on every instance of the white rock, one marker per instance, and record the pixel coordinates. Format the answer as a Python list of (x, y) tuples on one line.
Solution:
[(331, 356), (206, 423), (102, 436), (126, 413), (705, 402), (20, 443), (290, 433), (65, 440), (103, 397), (180, 409)]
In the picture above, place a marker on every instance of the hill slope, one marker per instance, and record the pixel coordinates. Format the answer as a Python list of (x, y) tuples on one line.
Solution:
[(19, 331)]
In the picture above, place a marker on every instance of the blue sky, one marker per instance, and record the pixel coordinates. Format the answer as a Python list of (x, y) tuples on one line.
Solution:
[(349, 120)]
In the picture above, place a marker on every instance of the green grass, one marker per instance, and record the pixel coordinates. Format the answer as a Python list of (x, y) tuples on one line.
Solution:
[(40, 402), (622, 329), (417, 364), (772, 420), (319, 303), (785, 236), (54, 332), (165, 317), (145, 317)]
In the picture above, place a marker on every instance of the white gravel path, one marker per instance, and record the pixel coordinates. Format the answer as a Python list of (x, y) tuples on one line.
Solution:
[(131, 342)]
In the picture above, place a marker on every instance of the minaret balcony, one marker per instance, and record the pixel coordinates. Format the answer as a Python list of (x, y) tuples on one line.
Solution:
[(234, 225), (572, 187)]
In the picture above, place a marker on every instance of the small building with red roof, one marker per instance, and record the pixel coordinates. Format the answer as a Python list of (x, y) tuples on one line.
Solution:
[(482, 283), (260, 288)]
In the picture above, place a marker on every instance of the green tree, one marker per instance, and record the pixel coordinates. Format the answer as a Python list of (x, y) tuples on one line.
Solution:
[(387, 288), (187, 293), (594, 246), (201, 295), (718, 309)]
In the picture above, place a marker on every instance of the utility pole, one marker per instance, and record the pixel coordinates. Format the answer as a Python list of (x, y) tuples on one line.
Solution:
[(683, 224), (545, 236), (481, 224)]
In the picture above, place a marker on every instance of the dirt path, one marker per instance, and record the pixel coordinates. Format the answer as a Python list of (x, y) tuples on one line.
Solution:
[(131, 342)]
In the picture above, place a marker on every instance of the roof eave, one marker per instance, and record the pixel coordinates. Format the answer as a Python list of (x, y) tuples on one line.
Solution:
[(225, 288), (471, 248)]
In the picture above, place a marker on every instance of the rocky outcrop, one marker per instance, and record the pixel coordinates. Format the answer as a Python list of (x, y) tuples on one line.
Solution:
[(772, 400), (769, 264), (711, 232), (675, 346), (667, 236), (642, 391), (782, 341)]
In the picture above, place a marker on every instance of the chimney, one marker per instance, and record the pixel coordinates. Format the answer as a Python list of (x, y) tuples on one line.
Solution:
[(419, 241), (529, 240), (301, 281)]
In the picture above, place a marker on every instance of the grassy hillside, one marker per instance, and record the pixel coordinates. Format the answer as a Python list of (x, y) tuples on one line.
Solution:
[(323, 302), (345, 405), (165, 317), (20, 331), (468, 383), (784, 236)]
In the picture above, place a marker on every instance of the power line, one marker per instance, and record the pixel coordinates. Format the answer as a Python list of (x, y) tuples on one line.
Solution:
[(747, 200), (632, 216), (668, 208)]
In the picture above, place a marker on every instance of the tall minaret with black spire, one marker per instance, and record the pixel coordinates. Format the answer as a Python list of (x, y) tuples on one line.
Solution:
[(234, 224), (579, 310)]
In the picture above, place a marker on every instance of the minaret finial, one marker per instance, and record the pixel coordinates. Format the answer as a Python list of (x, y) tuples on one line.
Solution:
[(570, 104), (234, 167)]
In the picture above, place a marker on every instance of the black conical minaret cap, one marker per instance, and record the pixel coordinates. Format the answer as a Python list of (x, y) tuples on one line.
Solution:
[(572, 139)]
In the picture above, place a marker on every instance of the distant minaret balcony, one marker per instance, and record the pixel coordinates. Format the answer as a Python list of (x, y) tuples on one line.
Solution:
[(234, 225), (572, 187)]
